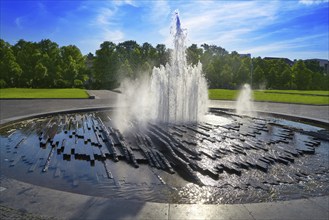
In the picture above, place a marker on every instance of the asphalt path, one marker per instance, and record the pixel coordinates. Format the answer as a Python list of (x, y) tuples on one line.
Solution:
[(20, 108)]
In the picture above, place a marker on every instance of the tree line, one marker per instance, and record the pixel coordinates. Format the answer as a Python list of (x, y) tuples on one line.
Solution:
[(45, 64)]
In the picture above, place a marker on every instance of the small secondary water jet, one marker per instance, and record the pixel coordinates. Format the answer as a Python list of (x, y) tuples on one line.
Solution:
[(244, 104), (180, 89)]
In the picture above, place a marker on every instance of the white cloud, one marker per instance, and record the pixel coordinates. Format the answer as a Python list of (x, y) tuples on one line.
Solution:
[(290, 46), (113, 35), (126, 2), (18, 22), (105, 16), (42, 8), (156, 12), (242, 26), (226, 23), (107, 23), (312, 2)]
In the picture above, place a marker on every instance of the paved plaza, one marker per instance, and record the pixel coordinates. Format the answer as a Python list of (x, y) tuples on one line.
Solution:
[(22, 200)]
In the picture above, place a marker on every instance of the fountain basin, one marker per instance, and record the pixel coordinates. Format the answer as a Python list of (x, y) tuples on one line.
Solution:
[(226, 159)]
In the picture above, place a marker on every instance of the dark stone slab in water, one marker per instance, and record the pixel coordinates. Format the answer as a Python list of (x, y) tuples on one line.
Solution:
[(81, 148), (231, 168)]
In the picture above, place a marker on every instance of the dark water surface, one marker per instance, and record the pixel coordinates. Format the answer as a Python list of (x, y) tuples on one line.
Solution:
[(227, 159)]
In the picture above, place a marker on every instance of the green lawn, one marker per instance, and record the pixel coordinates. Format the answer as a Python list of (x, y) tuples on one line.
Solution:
[(324, 93), (223, 94), (42, 93), (287, 96)]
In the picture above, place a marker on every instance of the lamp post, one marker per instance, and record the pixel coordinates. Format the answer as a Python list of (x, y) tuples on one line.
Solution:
[(251, 71)]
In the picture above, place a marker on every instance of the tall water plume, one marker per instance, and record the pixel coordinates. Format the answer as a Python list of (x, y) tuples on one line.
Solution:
[(175, 93), (180, 89)]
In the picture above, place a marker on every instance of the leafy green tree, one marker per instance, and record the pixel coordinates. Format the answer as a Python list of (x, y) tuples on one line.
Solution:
[(51, 60), (211, 76), (162, 55), (314, 66), (227, 77), (131, 51), (258, 77), (146, 69), (125, 71), (243, 74), (286, 78), (45, 64), (194, 54), (148, 53), (9, 68), (303, 76), (27, 56), (106, 65), (40, 75), (72, 63)]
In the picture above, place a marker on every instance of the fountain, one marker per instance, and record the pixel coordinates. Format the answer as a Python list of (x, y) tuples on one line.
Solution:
[(180, 90), (167, 153), (244, 104), (175, 93)]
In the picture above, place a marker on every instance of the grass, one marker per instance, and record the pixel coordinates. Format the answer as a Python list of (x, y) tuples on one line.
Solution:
[(22, 93), (324, 93), (285, 96), (223, 94)]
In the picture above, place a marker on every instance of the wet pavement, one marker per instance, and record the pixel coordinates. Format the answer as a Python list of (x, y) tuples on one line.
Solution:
[(316, 112), (64, 205), (60, 204)]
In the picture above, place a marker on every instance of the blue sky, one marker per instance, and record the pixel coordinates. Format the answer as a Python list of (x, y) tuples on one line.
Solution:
[(296, 29)]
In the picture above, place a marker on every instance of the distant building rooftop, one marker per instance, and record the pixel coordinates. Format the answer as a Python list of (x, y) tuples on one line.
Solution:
[(322, 62), (286, 60), (245, 55)]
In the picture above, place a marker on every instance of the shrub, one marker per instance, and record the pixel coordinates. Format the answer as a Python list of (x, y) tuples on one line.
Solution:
[(3, 84), (78, 83), (60, 83)]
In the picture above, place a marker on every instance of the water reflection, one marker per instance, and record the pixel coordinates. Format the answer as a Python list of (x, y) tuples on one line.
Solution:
[(226, 159)]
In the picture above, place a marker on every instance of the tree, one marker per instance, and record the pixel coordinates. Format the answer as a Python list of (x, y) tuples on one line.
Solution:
[(72, 64), (227, 77), (9, 68), (148, 53), (106, 65), (146, 69), (162, 56), (27, 56), (40, 75), (125, 71), (286, 78), (243, 74), (45, 64), (303, 76), (211, 76), (131, 51), (258, 77), (51, 60), (194, 54)]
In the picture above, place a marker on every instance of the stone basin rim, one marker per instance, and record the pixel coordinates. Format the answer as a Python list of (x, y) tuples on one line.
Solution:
[(302, 119), (104, 108), (14, 182)]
